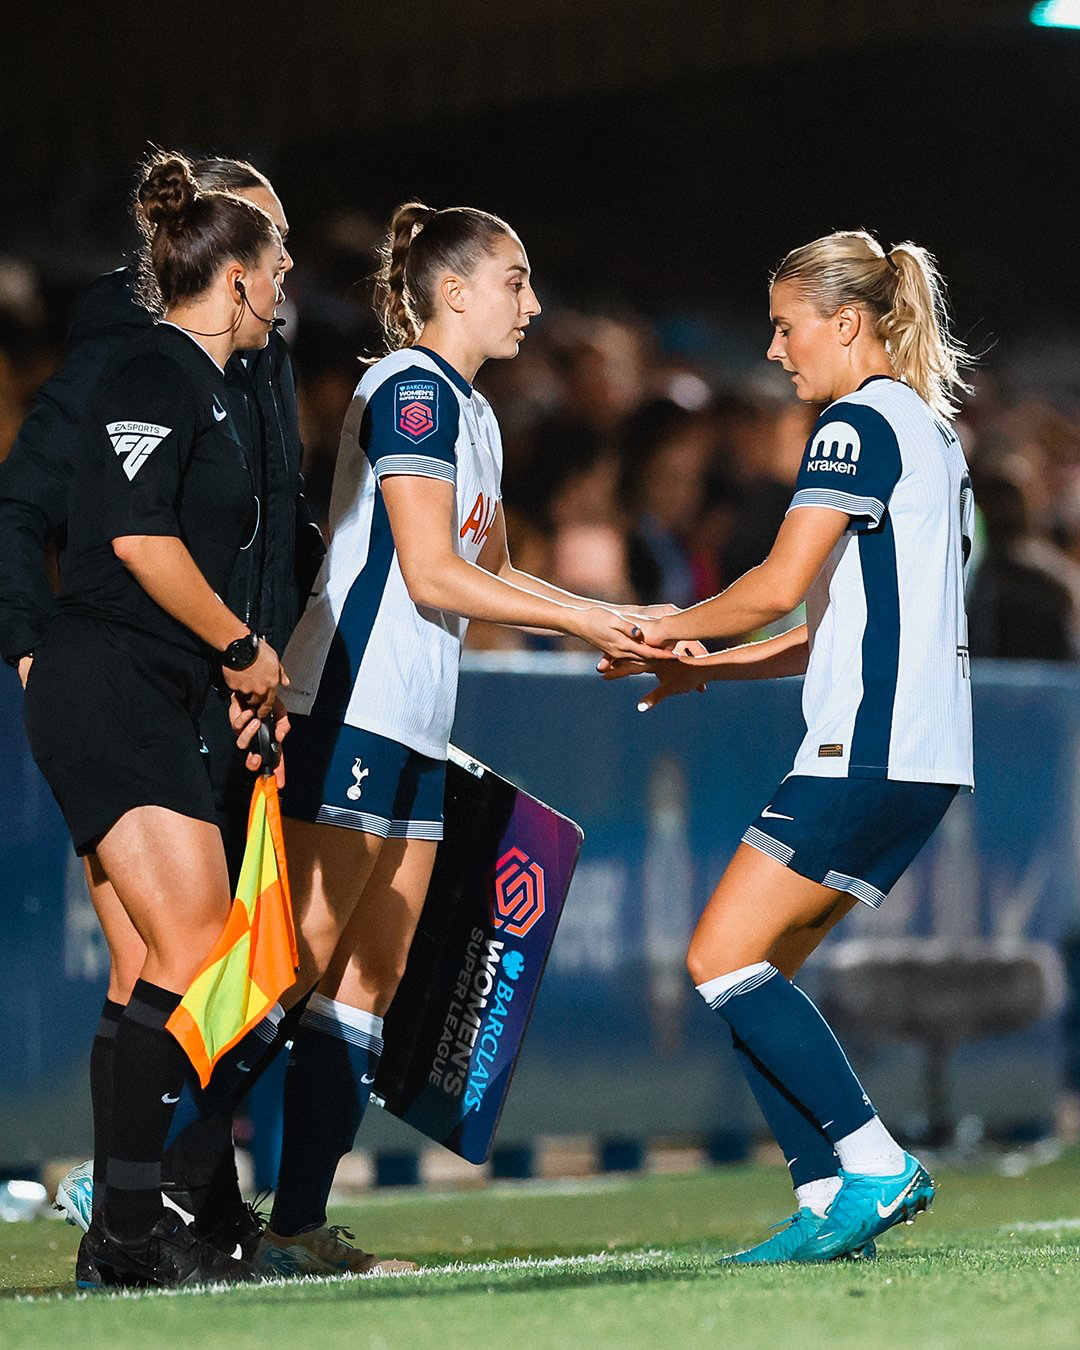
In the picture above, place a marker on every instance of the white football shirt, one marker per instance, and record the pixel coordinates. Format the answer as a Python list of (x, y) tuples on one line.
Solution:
[(363, 653), (888, 689)]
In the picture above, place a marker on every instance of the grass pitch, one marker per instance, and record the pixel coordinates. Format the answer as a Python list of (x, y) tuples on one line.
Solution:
[(612, 1262)]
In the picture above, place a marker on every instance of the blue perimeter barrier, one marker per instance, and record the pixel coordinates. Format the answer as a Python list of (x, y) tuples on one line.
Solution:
[(620, 1047)]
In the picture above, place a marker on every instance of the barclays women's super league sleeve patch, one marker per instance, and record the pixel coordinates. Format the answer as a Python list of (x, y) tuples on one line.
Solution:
[(416, 409)]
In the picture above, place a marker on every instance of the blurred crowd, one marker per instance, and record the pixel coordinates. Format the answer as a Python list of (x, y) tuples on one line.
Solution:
[(643, 465)]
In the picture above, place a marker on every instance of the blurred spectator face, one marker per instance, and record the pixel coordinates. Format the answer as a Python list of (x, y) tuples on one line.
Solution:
[(591, 560), (803, 343), (586, 496), (605, 376), (673, 487)]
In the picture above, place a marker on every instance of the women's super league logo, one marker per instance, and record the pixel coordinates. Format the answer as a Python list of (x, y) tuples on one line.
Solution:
[(417, 408), (517, 892)]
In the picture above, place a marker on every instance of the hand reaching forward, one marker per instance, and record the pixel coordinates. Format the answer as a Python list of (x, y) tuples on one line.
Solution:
[(674, 676)]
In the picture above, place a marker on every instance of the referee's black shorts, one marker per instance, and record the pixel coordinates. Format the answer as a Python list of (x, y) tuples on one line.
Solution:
[(111, 716)]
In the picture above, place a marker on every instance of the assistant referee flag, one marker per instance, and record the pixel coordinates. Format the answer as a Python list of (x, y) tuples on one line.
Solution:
[(255, 959)]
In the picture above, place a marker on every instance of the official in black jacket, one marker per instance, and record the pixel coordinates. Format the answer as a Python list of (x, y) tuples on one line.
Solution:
[(275, 570), (162, 503), (270, 581)]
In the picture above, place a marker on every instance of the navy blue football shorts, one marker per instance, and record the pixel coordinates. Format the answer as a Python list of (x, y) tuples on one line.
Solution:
[(853, 834), (340, 775)]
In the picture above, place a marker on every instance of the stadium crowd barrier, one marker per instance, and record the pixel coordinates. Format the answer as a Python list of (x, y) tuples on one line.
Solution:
[(620, 1048)]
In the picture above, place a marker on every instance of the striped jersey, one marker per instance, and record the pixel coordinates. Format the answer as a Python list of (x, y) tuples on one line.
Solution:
[(363, 653), (888, 690)]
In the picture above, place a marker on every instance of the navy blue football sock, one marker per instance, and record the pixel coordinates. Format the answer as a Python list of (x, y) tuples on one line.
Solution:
[(199, 1157), (791, 1040), (810, 1155), (327, 1085), (236, 1071)]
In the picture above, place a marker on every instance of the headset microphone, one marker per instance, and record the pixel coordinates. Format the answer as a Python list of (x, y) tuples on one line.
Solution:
[(270, 323), (242, 297)]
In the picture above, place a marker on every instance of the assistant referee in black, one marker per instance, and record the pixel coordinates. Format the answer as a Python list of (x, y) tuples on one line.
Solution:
[(162, 503), (270, 581)]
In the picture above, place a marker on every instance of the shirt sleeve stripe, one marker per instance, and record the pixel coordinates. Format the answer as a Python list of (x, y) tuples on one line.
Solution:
[(840, 501), (421, 466)]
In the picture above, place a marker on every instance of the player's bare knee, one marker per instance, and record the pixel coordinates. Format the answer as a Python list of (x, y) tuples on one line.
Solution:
[(381, 985), (703, 962)]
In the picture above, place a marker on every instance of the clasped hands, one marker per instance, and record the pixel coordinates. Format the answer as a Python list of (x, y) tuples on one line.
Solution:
[(671, 661)]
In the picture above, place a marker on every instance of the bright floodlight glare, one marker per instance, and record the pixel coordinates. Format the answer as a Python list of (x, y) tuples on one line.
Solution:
[(1057, 14)]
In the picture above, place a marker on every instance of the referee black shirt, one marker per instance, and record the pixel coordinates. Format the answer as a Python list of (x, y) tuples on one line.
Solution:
[(160, 456), (272, 576)]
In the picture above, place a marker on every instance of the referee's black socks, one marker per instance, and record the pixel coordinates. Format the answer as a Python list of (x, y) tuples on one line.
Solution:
[(149, 1071), (101, 1058)]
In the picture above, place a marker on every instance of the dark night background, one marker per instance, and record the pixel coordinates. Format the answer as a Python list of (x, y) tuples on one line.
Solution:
[(654, 160)]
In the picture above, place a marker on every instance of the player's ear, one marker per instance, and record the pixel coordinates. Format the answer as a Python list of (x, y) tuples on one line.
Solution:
[(453, 292), (849, 321)]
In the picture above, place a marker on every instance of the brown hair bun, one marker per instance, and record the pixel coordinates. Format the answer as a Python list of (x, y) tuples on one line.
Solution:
[(167, 192)]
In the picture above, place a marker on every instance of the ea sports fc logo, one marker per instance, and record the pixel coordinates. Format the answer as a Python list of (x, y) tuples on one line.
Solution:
[(517, 900)]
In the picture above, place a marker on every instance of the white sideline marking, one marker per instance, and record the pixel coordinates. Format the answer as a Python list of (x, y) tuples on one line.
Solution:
[(646, 1258), (595, 1261), (1041, 1226)]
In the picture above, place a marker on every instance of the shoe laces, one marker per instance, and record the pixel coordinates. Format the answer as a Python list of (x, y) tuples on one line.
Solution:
[(257, 1207), (797, 1217)]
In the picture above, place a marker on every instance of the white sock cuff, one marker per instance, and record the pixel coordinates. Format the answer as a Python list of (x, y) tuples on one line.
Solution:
[(818, 1195), (717, 992), (324, 1009), (871, 1150)]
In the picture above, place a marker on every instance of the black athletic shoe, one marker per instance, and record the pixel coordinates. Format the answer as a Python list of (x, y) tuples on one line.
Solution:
[(236, 1233), (170, 1254)]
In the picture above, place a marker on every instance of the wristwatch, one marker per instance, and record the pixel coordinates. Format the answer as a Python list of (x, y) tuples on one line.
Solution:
[(240, 654)]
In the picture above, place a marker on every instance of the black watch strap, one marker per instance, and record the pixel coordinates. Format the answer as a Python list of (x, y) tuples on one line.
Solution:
[(240, 654)]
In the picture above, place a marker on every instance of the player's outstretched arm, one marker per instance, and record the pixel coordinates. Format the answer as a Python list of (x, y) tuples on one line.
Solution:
[(495, 558), (421, 512), (765, 593), (771, 659)]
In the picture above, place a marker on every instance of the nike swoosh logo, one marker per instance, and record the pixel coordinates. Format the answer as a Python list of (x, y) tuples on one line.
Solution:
[(170, 1101), (368, 1078), (219, 413), (886, 1211), (769, 814)]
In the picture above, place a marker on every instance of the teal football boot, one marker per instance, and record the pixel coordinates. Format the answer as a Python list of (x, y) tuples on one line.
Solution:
[(75, 1196), (867, 1206), (795, 1242)]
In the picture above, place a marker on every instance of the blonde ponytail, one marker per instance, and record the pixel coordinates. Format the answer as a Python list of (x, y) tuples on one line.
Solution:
[(904, 293), (916, 331)]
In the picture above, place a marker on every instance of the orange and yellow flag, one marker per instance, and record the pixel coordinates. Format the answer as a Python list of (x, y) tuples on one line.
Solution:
[(254, 961)]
